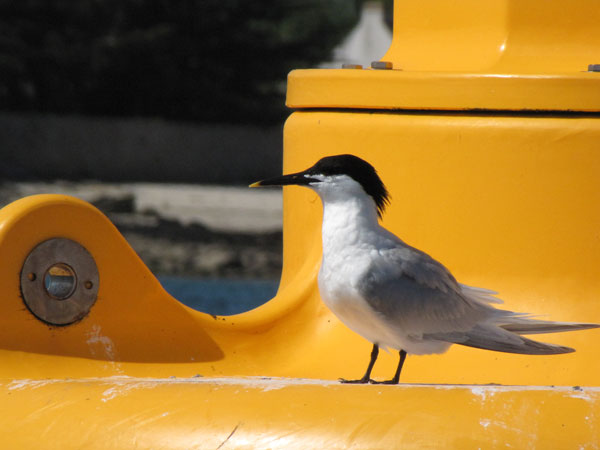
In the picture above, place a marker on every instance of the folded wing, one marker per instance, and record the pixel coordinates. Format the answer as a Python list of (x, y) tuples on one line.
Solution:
[(415, 293)]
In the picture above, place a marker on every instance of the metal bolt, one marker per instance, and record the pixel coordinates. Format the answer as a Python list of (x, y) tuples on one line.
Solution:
[(31, 276), (352, 66), (88, 285), (60, 281), (382, 65), (594, 68)]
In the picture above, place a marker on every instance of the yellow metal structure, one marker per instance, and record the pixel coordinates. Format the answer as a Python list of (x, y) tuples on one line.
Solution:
[(490, 55), (256, 413), (506, 201)]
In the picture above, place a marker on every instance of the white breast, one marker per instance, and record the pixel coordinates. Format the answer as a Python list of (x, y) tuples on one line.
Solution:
[(348, 250), (352, 239)]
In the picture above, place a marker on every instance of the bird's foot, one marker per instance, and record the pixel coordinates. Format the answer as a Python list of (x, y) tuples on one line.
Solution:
[(392, 381), (363, 380)]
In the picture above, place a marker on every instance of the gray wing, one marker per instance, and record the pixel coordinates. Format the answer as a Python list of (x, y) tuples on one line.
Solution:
[(414, 292), (420, 296)]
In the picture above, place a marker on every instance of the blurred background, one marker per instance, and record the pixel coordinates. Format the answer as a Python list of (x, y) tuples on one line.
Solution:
[(161, 113)]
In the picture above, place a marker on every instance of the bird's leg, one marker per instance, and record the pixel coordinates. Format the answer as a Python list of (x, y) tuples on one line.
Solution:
[(397, 374), (367, 376)]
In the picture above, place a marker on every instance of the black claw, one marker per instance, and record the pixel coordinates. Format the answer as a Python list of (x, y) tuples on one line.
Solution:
[(367, 376), (392, 381), (360, 381)]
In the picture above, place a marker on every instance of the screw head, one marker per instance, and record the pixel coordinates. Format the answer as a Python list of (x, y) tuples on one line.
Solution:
[(382, 65)]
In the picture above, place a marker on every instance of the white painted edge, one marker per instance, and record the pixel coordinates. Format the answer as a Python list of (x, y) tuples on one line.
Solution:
[(271, 383)]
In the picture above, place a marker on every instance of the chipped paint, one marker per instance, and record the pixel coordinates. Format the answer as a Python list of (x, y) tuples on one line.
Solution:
[(483, 391), (122, 386), (94, 337), (109, 394), (25, 384), (579, 392)]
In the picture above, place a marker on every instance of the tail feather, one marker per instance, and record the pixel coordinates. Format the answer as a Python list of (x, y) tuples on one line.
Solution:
[(524, 347), (491, 337), (502, 332), (521, 325)]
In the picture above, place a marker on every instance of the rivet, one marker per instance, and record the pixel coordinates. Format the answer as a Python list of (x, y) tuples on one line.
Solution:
[(382, 65), (594, 68), (88, 284), (31, 276)]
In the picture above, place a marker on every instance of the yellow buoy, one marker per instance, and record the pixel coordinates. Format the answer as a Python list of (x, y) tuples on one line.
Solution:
[(485, 130)]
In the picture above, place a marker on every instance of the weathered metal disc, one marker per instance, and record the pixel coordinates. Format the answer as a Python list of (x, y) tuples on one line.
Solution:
[(59, 281)]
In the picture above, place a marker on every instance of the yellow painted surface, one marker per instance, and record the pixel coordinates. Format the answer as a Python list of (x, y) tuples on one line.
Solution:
[(506, 202), (491, 55), (395, 89), (291, 414), (495, 36)]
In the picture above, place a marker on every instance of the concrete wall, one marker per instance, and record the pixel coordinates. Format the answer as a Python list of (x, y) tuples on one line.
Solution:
[(72, 148)]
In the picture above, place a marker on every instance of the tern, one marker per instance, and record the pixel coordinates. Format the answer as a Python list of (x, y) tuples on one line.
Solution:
[(395, 295)]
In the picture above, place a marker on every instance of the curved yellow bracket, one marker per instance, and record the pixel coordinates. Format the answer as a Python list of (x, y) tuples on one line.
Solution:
[(134, 324)]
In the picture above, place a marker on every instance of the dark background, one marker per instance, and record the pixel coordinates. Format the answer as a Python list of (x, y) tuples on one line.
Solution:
[(179, 91), (193, 60)]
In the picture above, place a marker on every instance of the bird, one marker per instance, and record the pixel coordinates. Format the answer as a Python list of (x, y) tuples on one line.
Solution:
[(392, 294)]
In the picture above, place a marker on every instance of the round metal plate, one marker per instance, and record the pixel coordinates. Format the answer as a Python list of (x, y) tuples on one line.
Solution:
[(59, 281)]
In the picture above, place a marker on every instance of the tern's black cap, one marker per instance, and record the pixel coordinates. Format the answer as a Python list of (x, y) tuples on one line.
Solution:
[(359, 170)]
